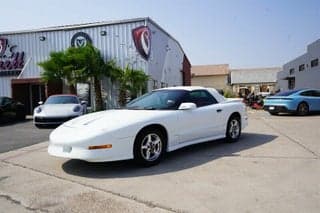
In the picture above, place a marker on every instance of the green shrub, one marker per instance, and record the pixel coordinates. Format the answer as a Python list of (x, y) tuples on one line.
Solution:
[(229, 94)]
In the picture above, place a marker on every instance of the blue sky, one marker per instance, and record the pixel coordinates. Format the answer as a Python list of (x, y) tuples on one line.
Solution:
[(242, 33)]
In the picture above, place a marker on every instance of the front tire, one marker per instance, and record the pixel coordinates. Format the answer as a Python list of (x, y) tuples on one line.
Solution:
[(39, 126), (233, 129), (149, 147), (303, 109)]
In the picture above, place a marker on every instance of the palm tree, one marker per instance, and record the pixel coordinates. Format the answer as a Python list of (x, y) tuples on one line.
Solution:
[(57, 69), (132, 82), (95, 68), (79, 65)]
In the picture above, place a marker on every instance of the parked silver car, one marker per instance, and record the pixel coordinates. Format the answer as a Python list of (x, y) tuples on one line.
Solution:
[(58, 109)]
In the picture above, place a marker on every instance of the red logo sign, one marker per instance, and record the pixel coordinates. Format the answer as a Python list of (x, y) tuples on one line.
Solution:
[(10, 59), (142, 40)]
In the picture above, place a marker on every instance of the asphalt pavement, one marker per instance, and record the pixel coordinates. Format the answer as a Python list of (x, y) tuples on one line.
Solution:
[(20, 134)]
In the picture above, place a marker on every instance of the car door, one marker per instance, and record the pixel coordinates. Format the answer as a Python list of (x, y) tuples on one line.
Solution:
[(310, 97), (316, 97), (202, 122)]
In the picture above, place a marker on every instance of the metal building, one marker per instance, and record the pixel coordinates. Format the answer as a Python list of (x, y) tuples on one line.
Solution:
[(303, 71), (139, 43), (257, 80)]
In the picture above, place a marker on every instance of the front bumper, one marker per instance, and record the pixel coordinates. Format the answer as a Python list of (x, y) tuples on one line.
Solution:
[(121, 150), (42, 120), (74, 143)]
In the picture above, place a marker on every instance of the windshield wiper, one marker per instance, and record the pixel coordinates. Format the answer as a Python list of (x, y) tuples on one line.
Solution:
[(149, 108), (141, 108)]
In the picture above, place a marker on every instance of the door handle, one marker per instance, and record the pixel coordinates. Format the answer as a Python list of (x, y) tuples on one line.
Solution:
[(219, 110)]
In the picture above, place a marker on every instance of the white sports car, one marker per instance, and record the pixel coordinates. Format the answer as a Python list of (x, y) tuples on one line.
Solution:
[(58, 109), (157, 122)]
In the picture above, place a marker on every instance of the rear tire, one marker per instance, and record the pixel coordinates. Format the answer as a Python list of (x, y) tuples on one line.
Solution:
[(149, 147), (233, 132), (303, 109)]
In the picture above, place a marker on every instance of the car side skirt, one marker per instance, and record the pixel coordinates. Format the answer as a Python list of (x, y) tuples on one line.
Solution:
[(201, 140)]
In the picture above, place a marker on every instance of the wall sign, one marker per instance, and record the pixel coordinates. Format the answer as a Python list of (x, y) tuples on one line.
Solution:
[(80, 39), (142, 40), (11, 60)]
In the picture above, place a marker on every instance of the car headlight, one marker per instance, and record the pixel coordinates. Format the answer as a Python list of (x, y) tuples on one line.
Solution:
[(77, 109), (38, 109)]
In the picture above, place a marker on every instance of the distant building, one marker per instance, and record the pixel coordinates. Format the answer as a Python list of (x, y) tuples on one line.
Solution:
[(215, 76), (254, 80), (302, 72)]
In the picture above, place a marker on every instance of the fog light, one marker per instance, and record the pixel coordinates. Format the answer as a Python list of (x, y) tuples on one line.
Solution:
[(106, 146)]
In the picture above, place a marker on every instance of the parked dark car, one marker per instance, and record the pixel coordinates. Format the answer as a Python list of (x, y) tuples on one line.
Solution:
[(11, 110)]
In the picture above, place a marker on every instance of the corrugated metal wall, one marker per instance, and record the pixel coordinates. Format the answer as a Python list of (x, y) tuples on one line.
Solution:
[(164, 65), (117, 45), (166, 59), (5, 86)]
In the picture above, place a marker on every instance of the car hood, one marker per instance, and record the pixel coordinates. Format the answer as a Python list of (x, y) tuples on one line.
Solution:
[(115, 119), (57, 109)]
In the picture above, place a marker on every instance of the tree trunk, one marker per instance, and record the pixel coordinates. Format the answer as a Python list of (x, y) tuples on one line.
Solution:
[(97, 90), (122, 97), (72, 89)]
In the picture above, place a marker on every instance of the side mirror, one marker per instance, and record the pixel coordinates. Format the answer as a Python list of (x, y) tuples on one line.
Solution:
[(187, 106), (40, 102), (83, 102)]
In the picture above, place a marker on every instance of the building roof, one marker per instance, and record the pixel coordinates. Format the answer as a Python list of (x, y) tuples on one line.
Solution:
[(210, 70), (254, 75), (76, 26)]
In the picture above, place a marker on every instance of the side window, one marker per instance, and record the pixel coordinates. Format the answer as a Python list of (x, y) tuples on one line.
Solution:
[(7, 101), (307, 93), (316, 93), (201, 98)]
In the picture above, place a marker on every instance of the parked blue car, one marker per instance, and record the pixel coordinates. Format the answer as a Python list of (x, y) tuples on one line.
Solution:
[(301, 102)]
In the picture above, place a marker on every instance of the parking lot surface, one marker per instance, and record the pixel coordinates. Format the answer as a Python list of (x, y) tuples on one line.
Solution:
[(275, 167), (16, 135)]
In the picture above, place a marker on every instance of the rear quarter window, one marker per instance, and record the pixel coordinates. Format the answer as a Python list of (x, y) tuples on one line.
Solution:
[(200, 98)]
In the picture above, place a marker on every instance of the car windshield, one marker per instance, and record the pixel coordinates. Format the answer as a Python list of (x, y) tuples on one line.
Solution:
[(287, 93), (1, 101), (62, 100), (158, 100)]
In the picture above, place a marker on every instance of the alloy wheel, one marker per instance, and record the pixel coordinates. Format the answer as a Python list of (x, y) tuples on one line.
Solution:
[(303, 109), (234, 129), (151, 147)]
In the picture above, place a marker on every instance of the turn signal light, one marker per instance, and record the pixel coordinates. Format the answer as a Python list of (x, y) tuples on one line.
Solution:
[(106, 146)]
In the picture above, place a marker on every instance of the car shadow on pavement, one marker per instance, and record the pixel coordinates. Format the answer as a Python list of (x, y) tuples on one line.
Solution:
[(13, 122), (310, 114), (181, 159)]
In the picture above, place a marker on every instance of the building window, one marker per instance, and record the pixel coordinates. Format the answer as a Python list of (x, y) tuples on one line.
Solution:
[(291, 83), (291, 71), (155, 84), (301, 67), (315, 62)]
